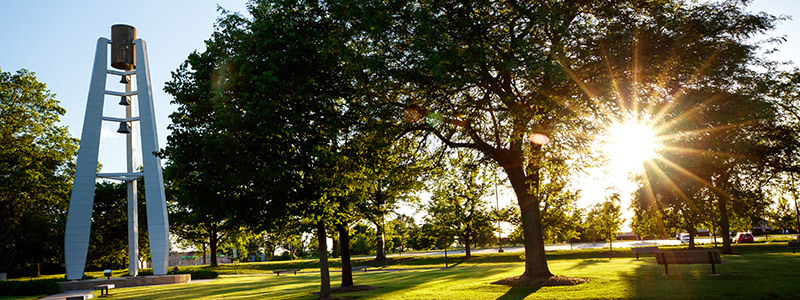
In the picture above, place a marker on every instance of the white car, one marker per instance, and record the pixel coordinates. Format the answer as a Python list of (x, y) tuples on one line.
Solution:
[(684, 237)]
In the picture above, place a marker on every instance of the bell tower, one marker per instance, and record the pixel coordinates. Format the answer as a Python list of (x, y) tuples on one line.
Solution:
[(129, 58)]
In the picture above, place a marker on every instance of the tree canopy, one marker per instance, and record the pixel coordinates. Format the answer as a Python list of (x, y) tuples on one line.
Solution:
[(36, 166)]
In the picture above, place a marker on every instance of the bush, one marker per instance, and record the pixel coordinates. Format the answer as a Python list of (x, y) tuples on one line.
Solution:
[(30, 287), (201, 273), (196, 273)]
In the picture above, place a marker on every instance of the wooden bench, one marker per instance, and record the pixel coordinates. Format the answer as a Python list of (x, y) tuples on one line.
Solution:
[(643, 250), (104, 289), (794, 245), (683, 257), (360, 268), (278, 272)]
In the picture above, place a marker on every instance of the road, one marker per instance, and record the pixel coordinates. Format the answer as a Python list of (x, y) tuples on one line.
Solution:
[(573, 246)]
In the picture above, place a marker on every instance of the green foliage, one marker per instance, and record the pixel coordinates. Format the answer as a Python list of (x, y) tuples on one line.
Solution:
[(8, 249), (362, 240), (30, 287), (783, 216), (604, 220), (197, 272), (36, 163), (423, 237), (457, 206)]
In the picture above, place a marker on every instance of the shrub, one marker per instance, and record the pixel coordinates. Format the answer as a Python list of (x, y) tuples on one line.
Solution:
[(201, 273), (30, 287), (196, 273)]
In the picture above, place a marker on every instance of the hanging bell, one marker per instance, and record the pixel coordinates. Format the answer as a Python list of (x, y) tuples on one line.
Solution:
[(124, 128), (124, 101), (124, 79)]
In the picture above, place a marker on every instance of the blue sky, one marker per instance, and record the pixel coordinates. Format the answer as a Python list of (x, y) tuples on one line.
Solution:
[(56, 39)]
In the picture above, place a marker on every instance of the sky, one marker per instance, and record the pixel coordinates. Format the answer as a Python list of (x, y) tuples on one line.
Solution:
[(56, 40)]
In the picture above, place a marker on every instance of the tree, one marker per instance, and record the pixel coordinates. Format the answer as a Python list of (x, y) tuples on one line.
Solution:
[(266, 105), (457, 200), (400, 228), (489, 75), (783, 216), (422, 237), (36, 163), (108, 247), (605, 220)]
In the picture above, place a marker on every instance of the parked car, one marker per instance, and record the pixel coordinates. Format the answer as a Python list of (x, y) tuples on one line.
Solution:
[(744, 237), (684, 237)]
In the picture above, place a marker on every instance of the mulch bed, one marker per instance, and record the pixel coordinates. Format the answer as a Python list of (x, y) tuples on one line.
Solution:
[(520, 281)]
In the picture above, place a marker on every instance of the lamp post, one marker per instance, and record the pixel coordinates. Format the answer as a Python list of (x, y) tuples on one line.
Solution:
[(499, 230), (796, 209)]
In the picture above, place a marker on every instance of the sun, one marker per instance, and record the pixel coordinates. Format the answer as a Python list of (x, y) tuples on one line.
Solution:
[(628, 145)]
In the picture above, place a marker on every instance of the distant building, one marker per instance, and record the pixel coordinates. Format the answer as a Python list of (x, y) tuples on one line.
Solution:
[(627, 236)]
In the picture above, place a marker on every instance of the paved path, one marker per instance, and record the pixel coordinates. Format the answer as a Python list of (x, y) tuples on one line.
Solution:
[(573, 246), (64, 295)]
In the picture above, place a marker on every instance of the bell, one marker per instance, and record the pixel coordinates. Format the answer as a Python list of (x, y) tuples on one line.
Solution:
[(124, 128), (124, 101), (124, 79)]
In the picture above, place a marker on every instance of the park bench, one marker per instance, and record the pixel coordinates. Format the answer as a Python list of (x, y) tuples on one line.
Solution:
[(104, 289), (643, 250), (278, 272), (683, 257), (794, 245), (360, 268)]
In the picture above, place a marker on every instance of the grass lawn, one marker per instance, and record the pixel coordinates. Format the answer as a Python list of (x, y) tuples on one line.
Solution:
[(759, 271)]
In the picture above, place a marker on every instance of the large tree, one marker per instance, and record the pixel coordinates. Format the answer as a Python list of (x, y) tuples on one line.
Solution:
[(269, 101), (488, 75), (36, 163)]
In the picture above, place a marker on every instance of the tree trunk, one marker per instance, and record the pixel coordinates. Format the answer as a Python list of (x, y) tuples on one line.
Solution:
[(335, 247), (212, 243), (692, 233), (380, 253), (204, 253), (325, 276), (467, 240), (611, 246), (344, 242), (724, 223), (533, 239)]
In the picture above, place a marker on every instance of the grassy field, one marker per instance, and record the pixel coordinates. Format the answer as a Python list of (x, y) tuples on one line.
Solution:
[(758, 271)]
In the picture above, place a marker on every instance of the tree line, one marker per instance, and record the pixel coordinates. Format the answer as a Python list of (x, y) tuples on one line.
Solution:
[(308, 116)]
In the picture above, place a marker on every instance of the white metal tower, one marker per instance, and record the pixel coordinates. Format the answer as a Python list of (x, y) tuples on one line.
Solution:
[(129, 55)]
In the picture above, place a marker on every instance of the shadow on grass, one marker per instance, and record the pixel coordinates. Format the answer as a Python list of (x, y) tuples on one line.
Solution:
[(587, 262), (401, 282), (755, 272), (517, 293)]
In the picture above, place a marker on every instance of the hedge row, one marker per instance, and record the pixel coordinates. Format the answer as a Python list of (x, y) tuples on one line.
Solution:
[(30, 287), (196, 273)]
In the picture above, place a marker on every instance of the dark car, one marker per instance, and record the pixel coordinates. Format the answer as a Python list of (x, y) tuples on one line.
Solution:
[(743, 237)]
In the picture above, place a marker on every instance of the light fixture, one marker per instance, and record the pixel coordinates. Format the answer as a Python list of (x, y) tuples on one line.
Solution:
[(124, 101), (124, 79)]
